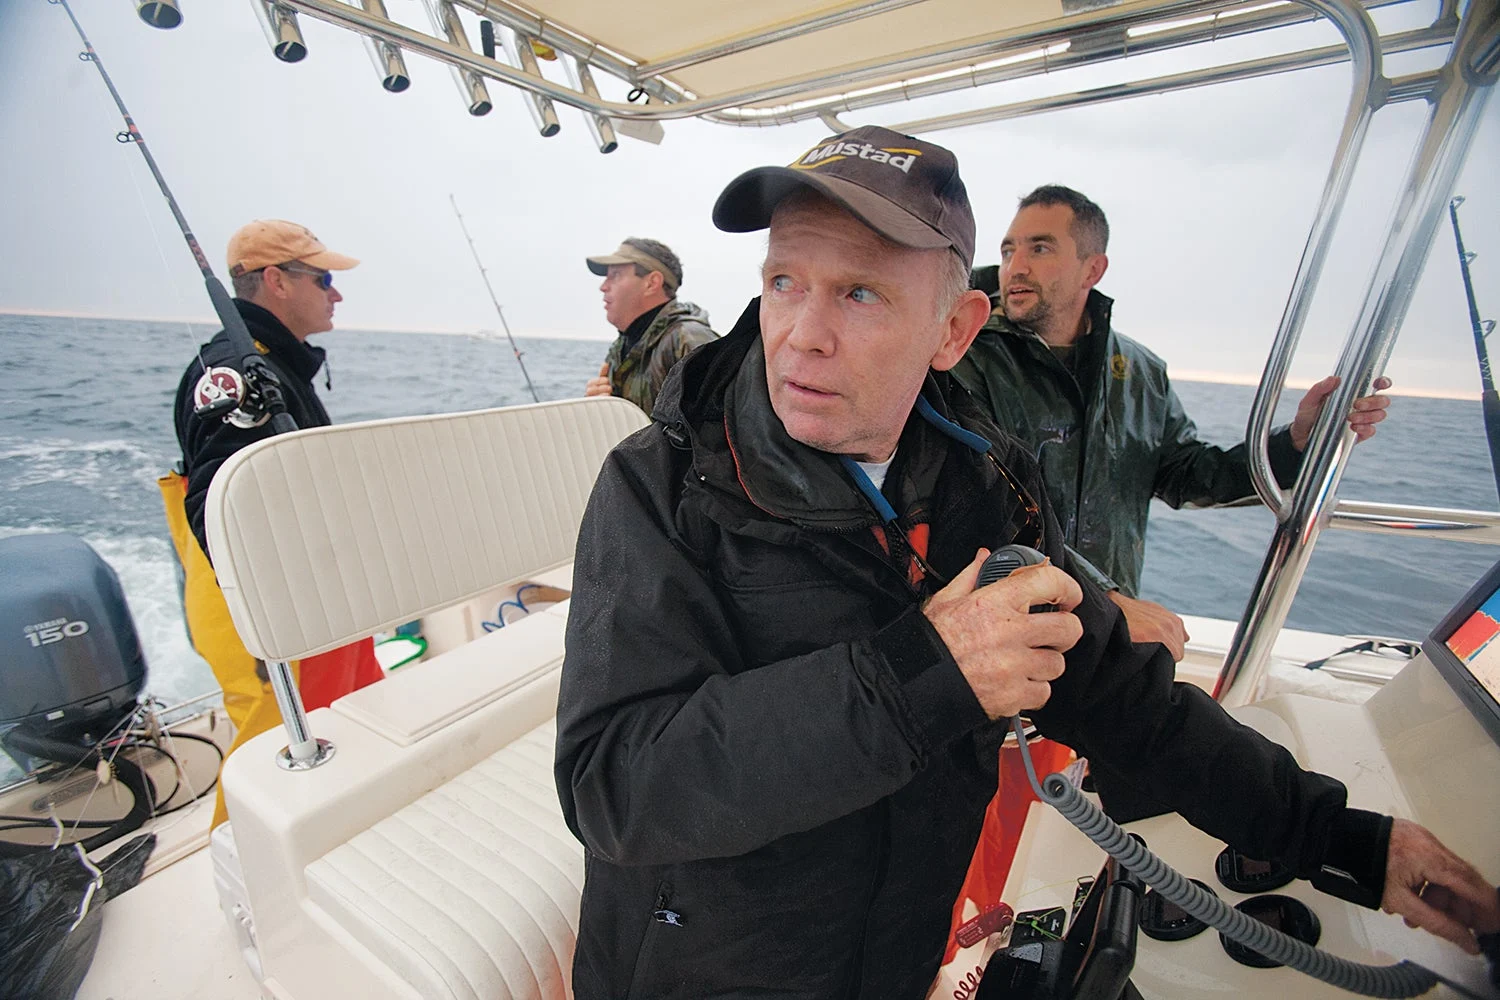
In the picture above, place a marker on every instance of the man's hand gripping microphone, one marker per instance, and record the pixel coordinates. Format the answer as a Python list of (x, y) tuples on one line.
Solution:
[(1006, 560)]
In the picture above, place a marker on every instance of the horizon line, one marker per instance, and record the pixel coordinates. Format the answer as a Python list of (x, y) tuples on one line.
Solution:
[(1176, 374), (214, 322)]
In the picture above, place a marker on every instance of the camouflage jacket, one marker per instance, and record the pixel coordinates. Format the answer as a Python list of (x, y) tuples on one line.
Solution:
[(1109, 439), (638, 375)]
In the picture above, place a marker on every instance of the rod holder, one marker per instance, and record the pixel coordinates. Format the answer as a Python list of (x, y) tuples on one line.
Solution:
[(390, 64), (519, 53), (282, 30), (475, 93), (600, 128), (159, 13), (470, 84)]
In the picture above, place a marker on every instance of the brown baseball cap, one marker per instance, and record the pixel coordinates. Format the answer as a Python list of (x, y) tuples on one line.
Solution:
[(905, 189), (265, 242), (631, 252)]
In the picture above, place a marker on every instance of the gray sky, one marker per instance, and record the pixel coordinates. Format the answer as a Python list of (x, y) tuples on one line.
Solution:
[(1209, 192)]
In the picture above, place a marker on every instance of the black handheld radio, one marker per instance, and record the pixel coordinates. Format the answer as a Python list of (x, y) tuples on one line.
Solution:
[(1006, 560)]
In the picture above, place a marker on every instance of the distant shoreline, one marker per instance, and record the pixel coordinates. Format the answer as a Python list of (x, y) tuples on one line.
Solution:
[(1177, 374), (1234, 378)]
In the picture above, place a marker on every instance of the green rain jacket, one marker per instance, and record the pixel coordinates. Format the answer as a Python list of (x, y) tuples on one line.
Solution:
[(672, 335), (1108, 440)]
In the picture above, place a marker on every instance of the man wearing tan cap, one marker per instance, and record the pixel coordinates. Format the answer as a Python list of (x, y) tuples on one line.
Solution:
[(283, 286), (641, 279)]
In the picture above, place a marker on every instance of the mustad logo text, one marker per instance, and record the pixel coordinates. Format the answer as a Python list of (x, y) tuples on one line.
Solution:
[(901, 159)]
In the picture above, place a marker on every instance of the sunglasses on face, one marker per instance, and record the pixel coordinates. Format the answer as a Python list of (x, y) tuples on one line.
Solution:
[(323, 279)]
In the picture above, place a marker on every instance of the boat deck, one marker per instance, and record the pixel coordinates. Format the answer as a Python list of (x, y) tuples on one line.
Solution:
[(167, 939)]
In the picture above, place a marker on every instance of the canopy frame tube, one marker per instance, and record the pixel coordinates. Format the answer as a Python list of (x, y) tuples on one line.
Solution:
[(946, 62), (1456, 105)]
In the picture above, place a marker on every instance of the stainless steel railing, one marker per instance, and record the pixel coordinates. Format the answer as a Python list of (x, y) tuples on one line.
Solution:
[(1481, 526), (1457, 95)]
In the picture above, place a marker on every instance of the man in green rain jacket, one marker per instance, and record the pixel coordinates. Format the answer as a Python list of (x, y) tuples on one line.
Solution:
[(1097, 408), (657, 330)]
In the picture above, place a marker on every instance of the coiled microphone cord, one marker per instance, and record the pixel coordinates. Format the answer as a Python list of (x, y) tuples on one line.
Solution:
[(1404, 979)]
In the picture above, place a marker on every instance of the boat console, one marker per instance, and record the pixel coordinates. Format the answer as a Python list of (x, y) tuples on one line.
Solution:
[(1425, 747)]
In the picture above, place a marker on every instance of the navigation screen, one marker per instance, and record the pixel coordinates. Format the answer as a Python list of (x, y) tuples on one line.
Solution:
[(1474, 644)]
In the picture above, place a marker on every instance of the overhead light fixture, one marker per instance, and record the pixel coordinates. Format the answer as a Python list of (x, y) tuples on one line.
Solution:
[(159, 13), (282, 31)]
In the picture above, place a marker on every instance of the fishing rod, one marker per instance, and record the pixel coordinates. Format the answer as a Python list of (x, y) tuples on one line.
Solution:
[(252, 391), (486, 276), (1488, 398)]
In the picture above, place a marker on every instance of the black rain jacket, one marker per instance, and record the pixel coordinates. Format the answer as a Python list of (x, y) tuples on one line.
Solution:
[(206, 444), (1108, 439), (775, 765)]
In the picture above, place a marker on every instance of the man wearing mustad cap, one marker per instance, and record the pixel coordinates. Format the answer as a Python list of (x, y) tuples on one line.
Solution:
[(656, 329), (283, 285), (782, 696)]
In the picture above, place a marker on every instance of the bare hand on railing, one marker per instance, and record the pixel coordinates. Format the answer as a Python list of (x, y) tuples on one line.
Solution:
[(1008, 656), (1433, 888), (1150, 622), (1365, 414), (599, 384)]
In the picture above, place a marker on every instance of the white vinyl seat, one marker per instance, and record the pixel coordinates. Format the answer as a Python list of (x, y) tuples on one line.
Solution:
[(472, 890), (428, 858)]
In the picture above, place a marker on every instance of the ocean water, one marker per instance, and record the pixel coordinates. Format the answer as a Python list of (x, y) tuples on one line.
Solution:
[(86, 428)]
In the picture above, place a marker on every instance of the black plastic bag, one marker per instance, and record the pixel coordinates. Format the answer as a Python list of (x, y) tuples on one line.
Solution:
[(43, 956)]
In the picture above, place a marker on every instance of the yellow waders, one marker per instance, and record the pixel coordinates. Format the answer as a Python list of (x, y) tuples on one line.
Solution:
[(248, 698)]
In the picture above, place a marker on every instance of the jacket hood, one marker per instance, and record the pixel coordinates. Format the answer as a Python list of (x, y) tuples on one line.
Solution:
[(680, 309)]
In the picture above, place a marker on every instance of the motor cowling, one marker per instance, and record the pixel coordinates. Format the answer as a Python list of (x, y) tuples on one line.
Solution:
[(71, 663)]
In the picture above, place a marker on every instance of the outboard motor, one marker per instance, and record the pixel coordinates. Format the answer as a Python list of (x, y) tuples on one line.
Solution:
[(71, 664)]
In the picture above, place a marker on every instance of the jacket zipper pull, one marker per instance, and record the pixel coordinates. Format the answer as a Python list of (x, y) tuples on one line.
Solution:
[(327, 375)]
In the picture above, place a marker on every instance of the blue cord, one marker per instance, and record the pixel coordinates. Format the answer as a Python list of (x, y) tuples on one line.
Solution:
[(514, 602)]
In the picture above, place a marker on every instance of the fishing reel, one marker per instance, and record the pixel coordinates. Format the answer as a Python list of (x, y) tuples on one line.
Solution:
[(243, 401)]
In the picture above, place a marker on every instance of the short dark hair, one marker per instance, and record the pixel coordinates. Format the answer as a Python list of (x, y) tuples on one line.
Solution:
[(663, 253), (1090, 229), (247, 284)]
